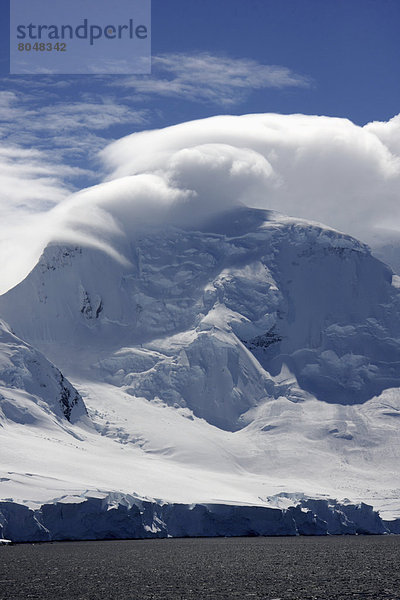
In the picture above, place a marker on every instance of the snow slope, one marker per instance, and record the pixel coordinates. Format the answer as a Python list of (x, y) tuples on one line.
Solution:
[(32, 390), (255, 355)]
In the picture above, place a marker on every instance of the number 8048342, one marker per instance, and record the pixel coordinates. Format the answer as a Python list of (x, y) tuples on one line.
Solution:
[(42, 47)]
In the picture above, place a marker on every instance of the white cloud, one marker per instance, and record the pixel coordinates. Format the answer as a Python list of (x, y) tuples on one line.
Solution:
[(30, 187), (388, 132), (62, 127), (43, 146), (91, 115), (320, 168), (209, 78)]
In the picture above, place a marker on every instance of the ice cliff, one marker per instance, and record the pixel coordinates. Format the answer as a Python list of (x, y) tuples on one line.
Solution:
[(111, 516)]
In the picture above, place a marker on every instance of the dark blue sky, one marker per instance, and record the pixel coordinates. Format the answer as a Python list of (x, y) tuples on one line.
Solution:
[(349, 49)]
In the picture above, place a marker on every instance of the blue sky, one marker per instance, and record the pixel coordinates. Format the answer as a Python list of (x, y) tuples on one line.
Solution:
[(328, 57)]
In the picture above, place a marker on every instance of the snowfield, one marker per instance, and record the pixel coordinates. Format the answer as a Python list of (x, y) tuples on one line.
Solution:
[(253, 360)]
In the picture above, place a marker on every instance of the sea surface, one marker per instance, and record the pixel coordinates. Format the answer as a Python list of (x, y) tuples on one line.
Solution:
[(299, 568)]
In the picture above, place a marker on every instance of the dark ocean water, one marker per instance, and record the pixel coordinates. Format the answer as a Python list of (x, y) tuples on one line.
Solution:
[(305, 568)]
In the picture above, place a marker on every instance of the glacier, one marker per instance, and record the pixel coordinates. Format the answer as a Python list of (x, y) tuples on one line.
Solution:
[(116, 516), (232, 378)]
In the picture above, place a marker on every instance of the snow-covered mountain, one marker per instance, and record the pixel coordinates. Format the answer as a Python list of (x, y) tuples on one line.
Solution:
[(32, 390), (252, 356)]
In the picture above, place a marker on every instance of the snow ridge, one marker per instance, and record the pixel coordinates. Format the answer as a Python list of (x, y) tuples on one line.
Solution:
[(29, 383)]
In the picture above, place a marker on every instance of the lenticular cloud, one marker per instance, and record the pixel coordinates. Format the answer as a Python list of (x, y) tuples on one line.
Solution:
[(319, 168)]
